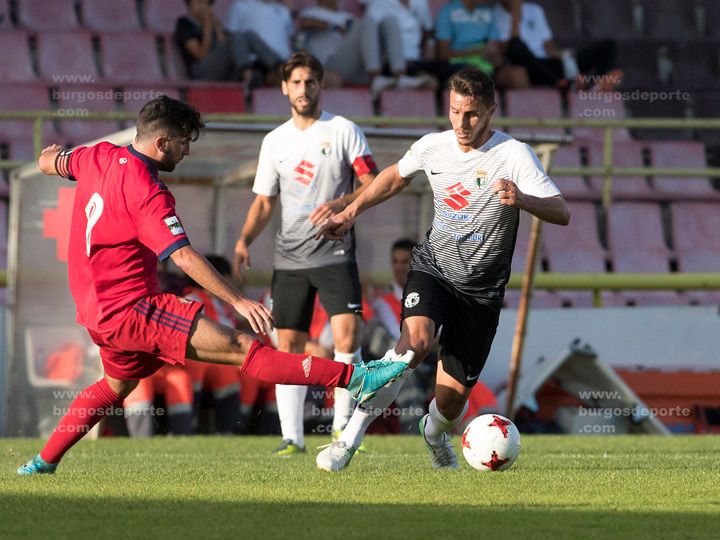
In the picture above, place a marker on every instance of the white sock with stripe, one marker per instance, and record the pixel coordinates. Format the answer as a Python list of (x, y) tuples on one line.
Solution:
[(291, 411), (344, 402), (437, 424)]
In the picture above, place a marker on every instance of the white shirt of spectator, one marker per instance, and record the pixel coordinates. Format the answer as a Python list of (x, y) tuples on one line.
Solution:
[(534, 28), (272, 22), (413, 19)]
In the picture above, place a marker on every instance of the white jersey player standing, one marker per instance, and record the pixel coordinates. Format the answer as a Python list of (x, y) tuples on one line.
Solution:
[(481, 179), (309, 162)]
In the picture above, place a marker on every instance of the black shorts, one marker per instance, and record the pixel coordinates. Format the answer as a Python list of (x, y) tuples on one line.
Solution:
[(468, 327), (293, 293)]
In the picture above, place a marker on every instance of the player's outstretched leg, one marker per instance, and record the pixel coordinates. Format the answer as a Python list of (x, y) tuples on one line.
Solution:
[(434, 428)]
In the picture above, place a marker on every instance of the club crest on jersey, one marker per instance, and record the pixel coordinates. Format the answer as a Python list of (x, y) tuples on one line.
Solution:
[(174, 225), (325, 148), (482, 178), (412, 300)]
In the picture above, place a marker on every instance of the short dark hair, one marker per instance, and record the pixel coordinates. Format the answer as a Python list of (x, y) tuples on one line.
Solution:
[(303, 59), (170, 116), (405, 244), (474, 83)]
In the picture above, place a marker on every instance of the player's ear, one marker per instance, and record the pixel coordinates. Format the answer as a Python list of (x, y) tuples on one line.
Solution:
[(493, 108), (284, 86), (161, 144)]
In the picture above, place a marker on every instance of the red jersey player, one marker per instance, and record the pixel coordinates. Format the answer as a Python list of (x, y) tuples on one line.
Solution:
[(123, 221)]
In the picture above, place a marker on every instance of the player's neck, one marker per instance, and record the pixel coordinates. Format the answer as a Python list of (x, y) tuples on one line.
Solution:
[(303, 121)]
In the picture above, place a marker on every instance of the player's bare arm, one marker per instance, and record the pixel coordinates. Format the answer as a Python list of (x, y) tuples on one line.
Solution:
[(52, 162), (550, 209), (386, 184), (257, 219), (325, 211), (197, 267)]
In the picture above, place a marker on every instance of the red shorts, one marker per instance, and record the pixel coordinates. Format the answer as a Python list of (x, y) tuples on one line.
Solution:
[(154, 332)]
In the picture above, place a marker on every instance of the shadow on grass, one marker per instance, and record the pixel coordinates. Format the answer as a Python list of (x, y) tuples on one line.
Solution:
[(39, 516)]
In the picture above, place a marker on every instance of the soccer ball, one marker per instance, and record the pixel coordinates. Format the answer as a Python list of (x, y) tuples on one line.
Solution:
[(491, 443)]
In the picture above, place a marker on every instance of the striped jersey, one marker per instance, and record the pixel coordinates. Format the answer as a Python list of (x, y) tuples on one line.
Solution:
[(308, 168), (471, 241)]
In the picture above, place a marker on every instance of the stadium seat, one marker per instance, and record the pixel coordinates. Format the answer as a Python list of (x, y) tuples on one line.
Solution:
[(541, 299), (134, 97), (670, 18), (670, 108), (130, 57), (576, 248), (3, 233), (564, 19), (696, 64), (610, 19), (15, 67), (707, 105), (17, 134), (572, 187), (522, 242), (173, 63), (534, 103), (269, 101), (217, 99), (681, 154), (636, 242), (67, 57), (47, 16), (161, 15), (350, 102), (638, 59), (642, 298), (115, 16), (408, 104), (625, 154), (695, 236), (597, 105), (75, 101)]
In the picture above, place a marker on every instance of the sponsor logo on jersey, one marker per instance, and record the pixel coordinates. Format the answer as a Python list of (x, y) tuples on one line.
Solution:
[(307, 364), (174, 225), (412, 300), (482, 178), (456, 196), (122, 160), (305, 172), (354, 306), (325, 148)]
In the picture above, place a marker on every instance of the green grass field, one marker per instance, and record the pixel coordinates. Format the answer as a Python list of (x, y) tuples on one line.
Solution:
[(230, 487)]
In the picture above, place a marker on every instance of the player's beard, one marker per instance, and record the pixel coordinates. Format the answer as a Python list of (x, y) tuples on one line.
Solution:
[(310, 109)]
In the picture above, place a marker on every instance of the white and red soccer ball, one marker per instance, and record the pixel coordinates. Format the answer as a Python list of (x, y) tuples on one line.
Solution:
[(491, 443)]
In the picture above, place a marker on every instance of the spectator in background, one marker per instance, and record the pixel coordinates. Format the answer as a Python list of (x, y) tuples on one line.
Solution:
[(271, 20), (367, 51), (467, 36), (529, 43), (212, 53)]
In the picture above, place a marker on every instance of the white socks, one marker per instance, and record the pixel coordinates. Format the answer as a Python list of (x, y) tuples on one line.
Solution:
[(437, 424), (291, 410), (344, 402)]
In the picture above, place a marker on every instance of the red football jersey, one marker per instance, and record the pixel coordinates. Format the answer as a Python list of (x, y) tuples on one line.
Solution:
[(123, 221)]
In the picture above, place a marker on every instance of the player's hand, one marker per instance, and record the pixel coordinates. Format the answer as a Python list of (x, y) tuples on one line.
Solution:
[(325, 211), (257, 314), (52, 148), (241, 257), (508, 192), (336, 227)]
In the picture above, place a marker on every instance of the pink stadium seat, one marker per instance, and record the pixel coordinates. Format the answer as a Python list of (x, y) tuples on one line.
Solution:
[(270, 101), (625, 154), (350, 102), (541, 299), (161, 15), (644, 298), (575, 248), (47, 16), (534, 103), (131, 57), (74, 101), (15, 133), (217, 99), (522, 242), (66, 57), (635, 237), (572, 187), (174, 64), (408, 104), (15, 67), (597, 105), (115, 16), (134, 97), (681, 154), (695, 236)]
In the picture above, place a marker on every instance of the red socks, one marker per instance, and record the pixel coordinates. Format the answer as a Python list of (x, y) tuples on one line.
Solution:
[(85, 411), (267, 364)]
